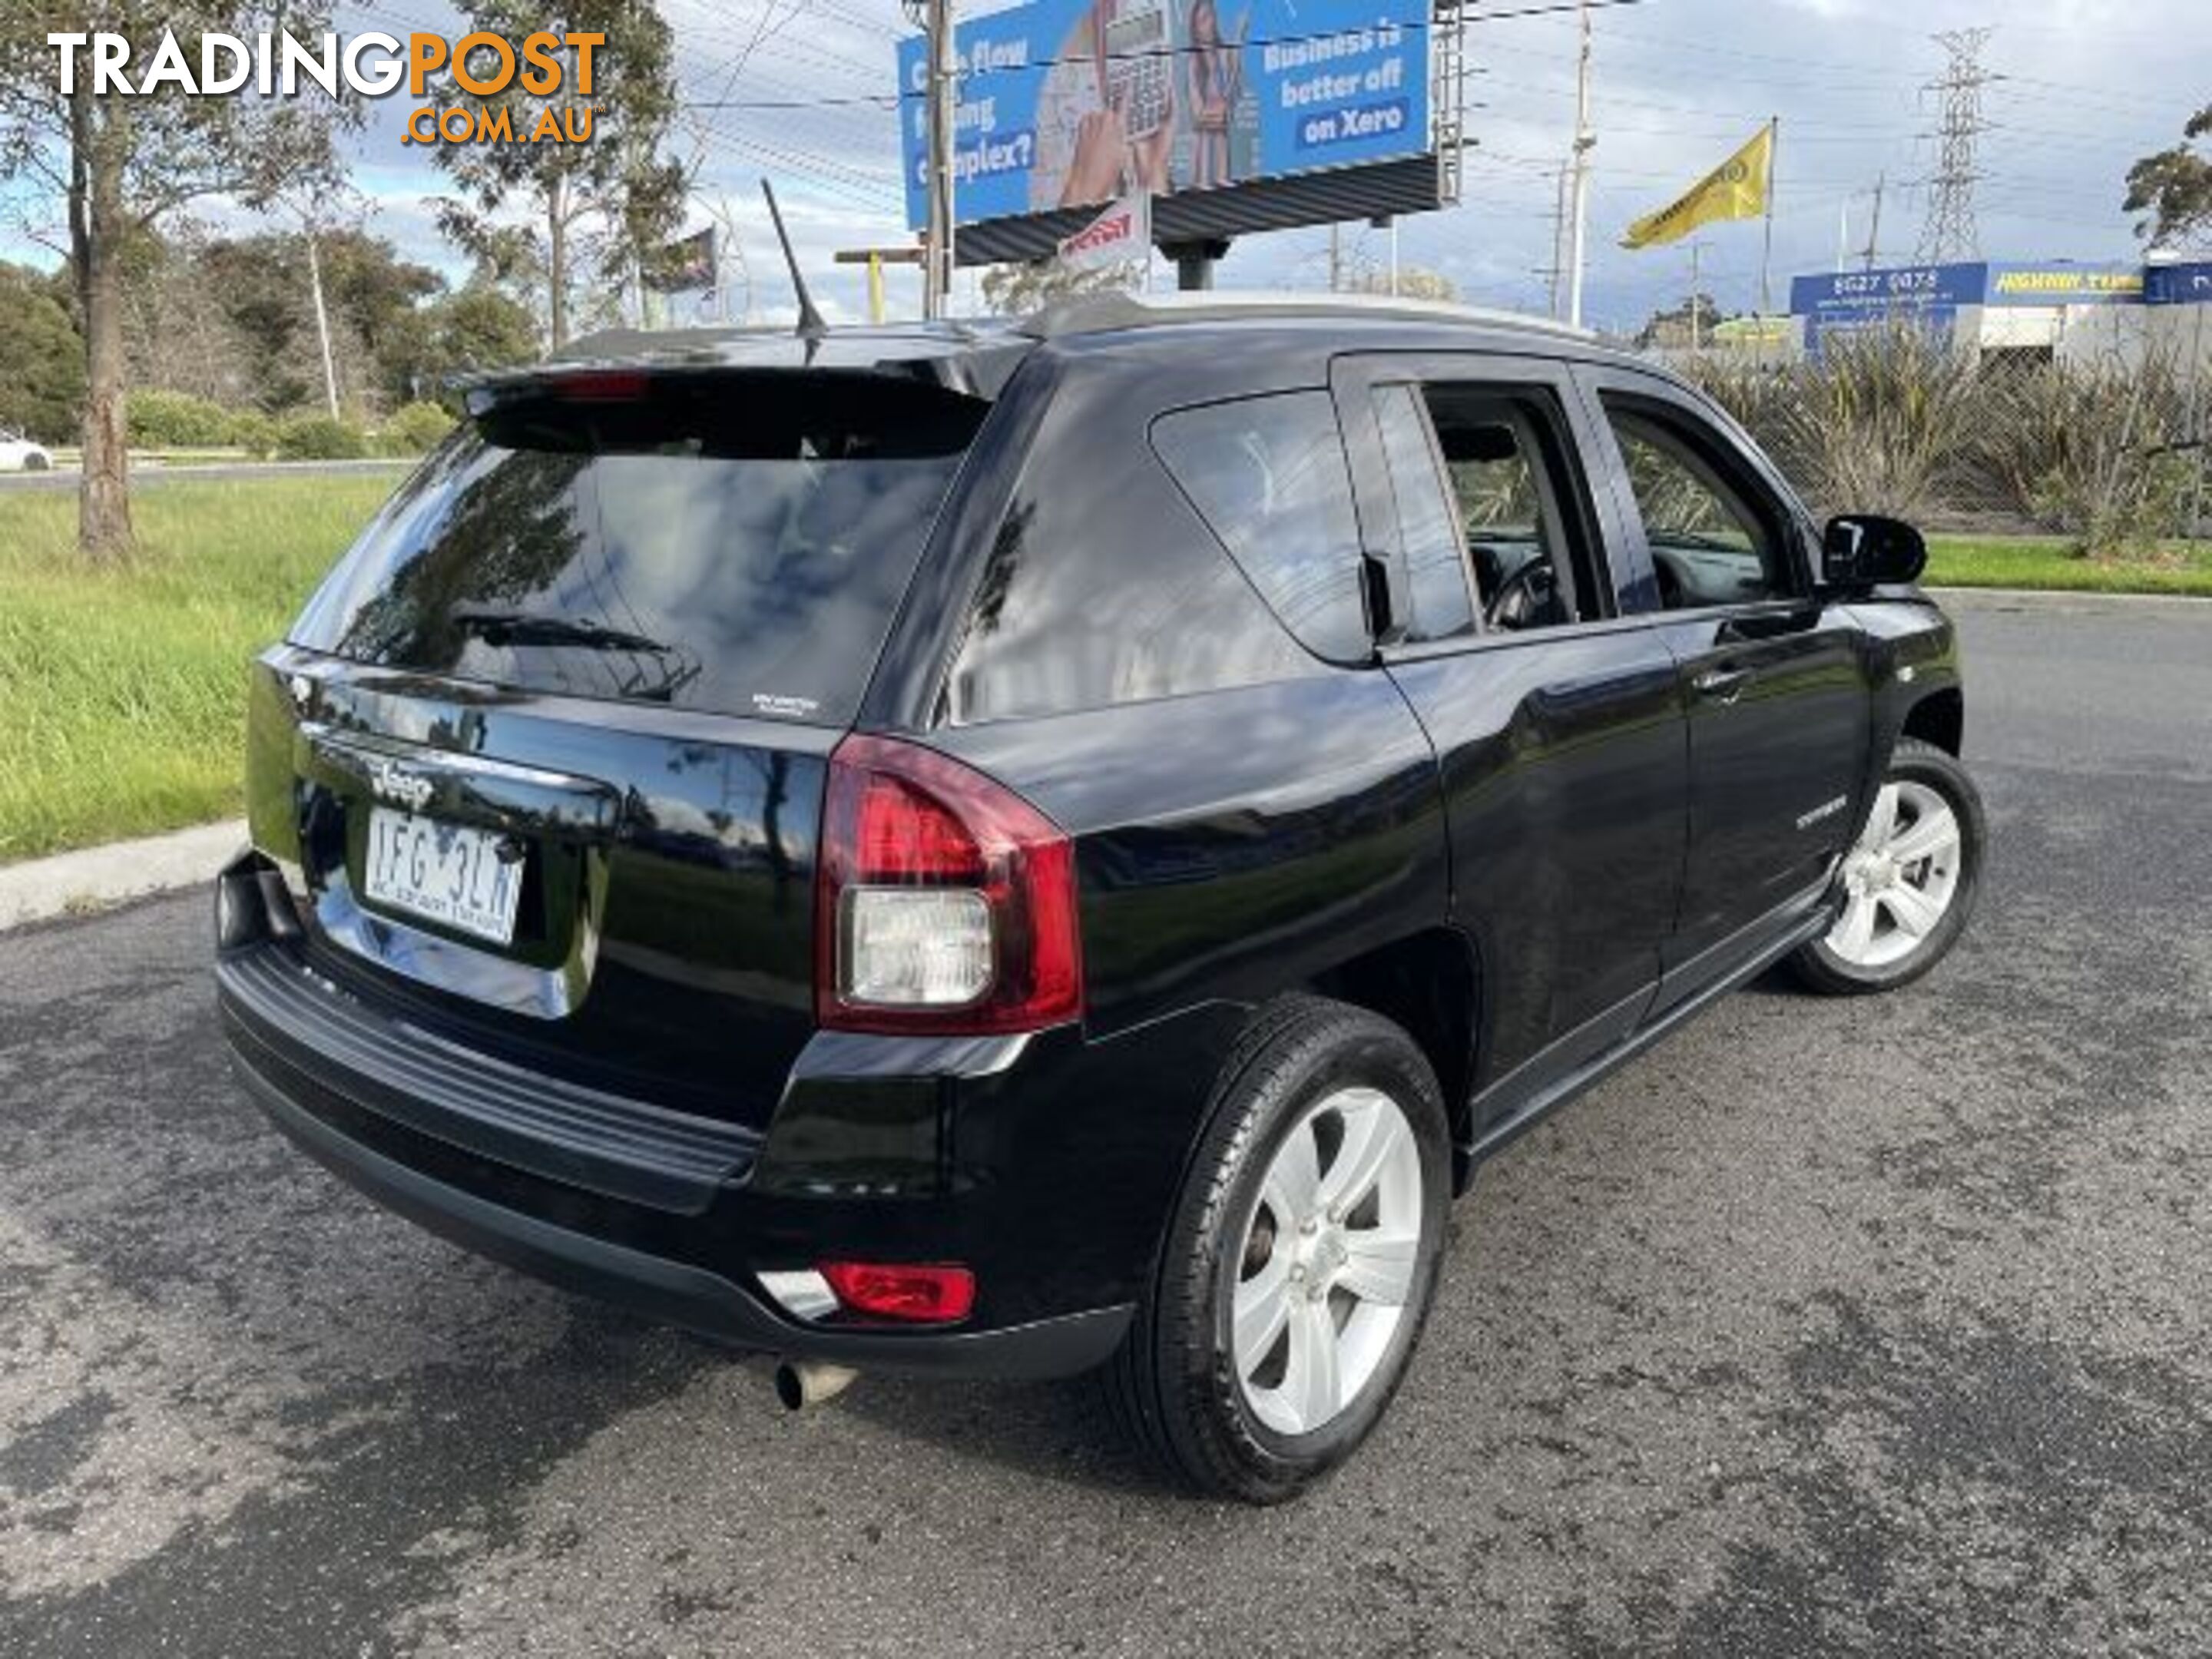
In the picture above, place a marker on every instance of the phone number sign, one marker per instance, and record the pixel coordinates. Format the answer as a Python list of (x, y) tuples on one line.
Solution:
[(1866, 294)]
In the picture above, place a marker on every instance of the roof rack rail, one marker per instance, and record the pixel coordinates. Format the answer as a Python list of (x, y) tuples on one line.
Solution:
[(1098, 313)]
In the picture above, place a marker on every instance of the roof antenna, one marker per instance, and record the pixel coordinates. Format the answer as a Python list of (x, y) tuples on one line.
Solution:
[(812, 328)]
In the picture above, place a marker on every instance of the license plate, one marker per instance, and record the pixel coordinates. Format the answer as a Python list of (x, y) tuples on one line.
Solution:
[(443, 873)]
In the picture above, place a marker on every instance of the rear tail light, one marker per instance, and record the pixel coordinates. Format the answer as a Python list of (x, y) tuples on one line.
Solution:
[(946, 902), (921, 1295)]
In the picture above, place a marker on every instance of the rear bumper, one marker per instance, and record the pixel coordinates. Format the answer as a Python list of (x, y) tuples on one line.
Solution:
[(678, 1292), (673, 1215)]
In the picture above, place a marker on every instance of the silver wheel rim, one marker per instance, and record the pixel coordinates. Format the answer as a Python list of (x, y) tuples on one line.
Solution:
[(1326, 1262), (1899, 878)]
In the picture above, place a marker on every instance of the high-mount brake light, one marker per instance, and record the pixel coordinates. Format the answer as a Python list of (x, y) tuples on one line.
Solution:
[(944, 903), (598, 386)]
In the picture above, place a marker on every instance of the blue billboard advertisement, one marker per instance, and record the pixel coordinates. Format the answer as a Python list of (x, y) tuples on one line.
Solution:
[(1928, 296), (1066, 103), (1877, 294)]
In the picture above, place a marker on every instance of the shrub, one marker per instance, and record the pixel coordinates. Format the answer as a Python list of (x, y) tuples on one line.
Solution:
[(2092, 450), (319, 437), (415, 428), (175, 420), (253, 432), (1881, 420)]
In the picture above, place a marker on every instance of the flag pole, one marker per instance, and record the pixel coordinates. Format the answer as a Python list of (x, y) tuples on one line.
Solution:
[(1766, 258)]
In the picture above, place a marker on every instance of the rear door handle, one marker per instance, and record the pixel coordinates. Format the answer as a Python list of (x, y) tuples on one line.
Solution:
[(1722, 684)]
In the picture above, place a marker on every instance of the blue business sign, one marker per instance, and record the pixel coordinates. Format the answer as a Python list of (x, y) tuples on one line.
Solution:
[(2178, 285), (2013, 282), (1065, 103), (1878, 294), (1926, 295)]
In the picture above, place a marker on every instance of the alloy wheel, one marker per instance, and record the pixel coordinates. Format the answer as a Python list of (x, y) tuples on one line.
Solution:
[(1327, 1264), (1899, 878)]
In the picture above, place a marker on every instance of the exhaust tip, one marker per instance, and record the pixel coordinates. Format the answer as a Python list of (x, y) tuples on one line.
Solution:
[(800, 1384)]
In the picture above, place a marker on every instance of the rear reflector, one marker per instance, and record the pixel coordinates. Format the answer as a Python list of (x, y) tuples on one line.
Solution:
[(919, 1295), (946, 902)]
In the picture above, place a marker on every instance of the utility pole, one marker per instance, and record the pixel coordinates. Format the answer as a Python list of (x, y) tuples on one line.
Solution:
[(1555, 274), (1585, 140), (1873, 230), (322, 316), (1952, 232), (943, 92), (1335, 257), (1697, 303)]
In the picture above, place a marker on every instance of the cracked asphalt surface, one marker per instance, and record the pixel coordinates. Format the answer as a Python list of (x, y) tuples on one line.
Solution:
[(1871, 1327)]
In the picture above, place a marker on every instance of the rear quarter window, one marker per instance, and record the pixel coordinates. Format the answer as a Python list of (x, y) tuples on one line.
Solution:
[(1269, 477), (1103, 587)]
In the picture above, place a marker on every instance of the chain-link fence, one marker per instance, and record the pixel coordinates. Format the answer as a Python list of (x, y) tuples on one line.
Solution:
[(2105, 446)]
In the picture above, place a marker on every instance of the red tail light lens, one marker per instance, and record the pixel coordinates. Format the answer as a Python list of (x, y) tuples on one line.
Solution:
[(946, 902), (919, 1295)]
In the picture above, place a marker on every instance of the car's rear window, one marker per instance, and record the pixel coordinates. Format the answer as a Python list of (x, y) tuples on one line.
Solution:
[(732, 542)]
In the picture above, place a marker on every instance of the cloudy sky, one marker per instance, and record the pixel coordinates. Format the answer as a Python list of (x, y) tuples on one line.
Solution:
[(796, 89)]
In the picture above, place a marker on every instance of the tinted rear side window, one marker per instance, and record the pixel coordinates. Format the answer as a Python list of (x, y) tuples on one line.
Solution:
[(730, 542), (1269, 475), (1103, 588)]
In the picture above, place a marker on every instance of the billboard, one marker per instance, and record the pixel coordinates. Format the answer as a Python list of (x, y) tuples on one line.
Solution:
[(1930, 295), (1069, 103), (1877, 294)]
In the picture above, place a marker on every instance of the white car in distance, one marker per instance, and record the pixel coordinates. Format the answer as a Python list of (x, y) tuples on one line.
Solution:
[(19, 455)]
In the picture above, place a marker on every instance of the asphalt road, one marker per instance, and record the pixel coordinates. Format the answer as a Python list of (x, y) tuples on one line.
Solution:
[(1875, 1328), (67, 478)]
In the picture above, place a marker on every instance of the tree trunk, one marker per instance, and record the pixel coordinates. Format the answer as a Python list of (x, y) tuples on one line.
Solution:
[(103, 523)]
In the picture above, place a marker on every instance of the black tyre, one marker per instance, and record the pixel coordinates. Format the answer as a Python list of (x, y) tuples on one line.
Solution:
[(1301, 1259), (36, 464), (1909, 881)]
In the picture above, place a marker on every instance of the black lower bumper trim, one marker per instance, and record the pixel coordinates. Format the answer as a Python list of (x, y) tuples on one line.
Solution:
[(679, 1292)]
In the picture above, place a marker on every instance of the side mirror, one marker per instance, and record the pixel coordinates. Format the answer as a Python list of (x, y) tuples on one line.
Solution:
[(1867, 550)]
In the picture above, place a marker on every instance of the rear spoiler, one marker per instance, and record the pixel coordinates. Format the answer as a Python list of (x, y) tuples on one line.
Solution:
[(975, 361), (617, 381)]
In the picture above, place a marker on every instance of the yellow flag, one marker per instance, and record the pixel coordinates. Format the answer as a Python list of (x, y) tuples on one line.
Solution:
[(1736, 189)]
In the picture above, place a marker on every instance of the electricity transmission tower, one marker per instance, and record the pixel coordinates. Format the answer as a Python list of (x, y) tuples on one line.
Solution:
[(1951, 231)]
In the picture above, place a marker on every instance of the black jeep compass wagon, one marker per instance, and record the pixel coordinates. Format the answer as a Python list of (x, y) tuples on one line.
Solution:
[(1023, 849)]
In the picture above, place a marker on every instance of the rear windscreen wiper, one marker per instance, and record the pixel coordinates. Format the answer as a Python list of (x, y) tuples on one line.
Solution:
[(535, 628)]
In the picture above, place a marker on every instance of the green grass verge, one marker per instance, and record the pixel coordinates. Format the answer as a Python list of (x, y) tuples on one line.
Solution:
[(122, 690), (2047, 563)]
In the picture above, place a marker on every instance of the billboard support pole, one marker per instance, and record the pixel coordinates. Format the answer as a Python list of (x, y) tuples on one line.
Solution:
[(1194, 262), (944, 69)]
